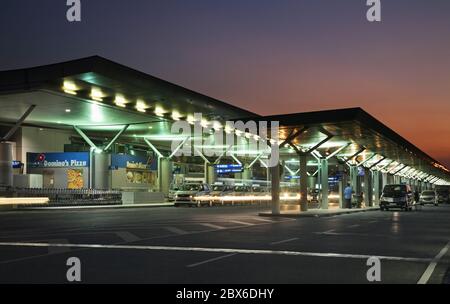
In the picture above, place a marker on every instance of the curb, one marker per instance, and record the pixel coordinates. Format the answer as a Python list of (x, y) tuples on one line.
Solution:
[(76, 208), (299, 215)]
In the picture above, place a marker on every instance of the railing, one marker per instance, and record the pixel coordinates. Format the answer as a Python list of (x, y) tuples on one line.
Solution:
[(71, 197)]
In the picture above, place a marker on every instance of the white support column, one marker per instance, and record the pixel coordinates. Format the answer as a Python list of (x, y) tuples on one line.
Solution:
[(6, 159), (275, 174), (164, 174), (367, 187), (303, 183), (324, 182), (376, 187), (210, 174)]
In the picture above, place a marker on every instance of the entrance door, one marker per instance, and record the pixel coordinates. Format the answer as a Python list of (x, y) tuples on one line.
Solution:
[(49, 179)]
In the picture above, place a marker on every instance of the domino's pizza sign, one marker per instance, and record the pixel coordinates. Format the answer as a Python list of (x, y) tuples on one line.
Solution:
[(58, 160)]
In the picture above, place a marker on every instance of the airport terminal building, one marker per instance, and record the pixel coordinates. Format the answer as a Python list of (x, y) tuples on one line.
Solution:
[(91, 131)]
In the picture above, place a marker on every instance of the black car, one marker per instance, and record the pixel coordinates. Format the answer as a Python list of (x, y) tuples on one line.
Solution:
[(397, 196)]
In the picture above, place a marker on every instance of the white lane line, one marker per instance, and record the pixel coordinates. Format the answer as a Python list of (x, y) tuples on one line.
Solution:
[(325, 232), (242, 223), (372, 222), (211, 260), (353, 226), (176, 230), (284, 241), (355, 234), (127, 236), (430, 269), (263, 220), (212, 226), (56, 250), (222, 250)]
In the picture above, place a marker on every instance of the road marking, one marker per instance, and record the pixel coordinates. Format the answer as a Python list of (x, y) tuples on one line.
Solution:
[(242, 223), (353, 226), (284, 241), (325, 232), (355, 234), (56, 250), (211, 260), (430, 269), (128, 236), (372, 222), (222, 250), (212, 226), (176, 230), (263, 220)]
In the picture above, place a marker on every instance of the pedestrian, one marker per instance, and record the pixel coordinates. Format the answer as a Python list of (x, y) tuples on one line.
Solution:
[(348, 191), (417, 196)]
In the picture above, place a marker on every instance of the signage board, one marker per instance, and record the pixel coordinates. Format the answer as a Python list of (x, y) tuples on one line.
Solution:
[(58, 160)]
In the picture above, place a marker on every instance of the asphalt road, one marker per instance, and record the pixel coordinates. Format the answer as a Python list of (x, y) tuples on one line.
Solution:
[(222, 245)]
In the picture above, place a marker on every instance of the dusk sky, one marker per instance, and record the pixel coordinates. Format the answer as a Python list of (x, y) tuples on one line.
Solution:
[(270, 57)]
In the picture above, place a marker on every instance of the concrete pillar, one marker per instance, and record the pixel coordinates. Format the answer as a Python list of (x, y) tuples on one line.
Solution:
[(324, 182), (367, 187), (210, 174), (101, 174), (376, 187), (6, 158), (303, 183), (164, 175), (247, 174), (275, 175), (354, 178)]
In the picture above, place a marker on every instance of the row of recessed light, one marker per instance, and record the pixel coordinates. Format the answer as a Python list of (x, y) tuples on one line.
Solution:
[(97, 95)]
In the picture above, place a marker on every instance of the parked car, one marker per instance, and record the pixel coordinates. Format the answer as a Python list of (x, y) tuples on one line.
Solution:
[(428, 197), (218, 191), (397, 196), (442, 196), (187, 193)]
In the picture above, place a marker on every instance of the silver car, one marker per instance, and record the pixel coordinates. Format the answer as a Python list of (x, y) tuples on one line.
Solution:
[(187, 194), (428, 197)]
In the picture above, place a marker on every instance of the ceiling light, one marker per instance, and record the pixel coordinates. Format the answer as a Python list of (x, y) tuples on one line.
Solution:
[(97, 94), (70, 88), (228, 129), (120, 101), (68, 110), (204, 123), (176, 115), (141, 106), (159, 111), (217, 125), (190, 119)]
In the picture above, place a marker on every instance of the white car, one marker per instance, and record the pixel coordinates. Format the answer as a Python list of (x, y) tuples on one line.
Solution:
[(187, 193), (428, 197)]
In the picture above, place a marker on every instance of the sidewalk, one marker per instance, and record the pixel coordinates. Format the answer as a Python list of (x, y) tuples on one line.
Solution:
[(317, 212), (157, 205)]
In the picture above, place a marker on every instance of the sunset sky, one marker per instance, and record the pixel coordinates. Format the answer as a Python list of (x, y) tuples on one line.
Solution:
[(270, 57)]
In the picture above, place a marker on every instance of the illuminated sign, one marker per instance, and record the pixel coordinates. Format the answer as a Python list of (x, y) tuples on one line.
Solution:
[(228, 168), (58, 160)]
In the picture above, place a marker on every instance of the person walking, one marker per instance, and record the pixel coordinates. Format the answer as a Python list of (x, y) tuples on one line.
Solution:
[(348, 192)]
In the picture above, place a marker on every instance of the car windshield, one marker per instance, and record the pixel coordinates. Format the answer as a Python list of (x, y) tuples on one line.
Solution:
[(428, 193), (395, 189), (218, 188), (240, 189), (190, 187)]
